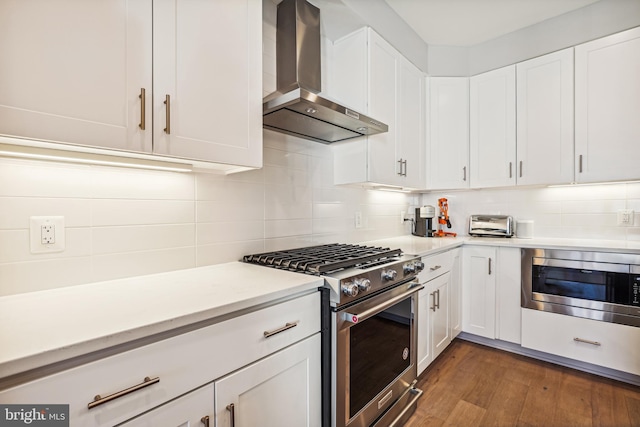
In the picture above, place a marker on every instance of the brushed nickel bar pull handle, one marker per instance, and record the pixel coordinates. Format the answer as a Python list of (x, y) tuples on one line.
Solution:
[(405, 167), (438, 303), (433, 295), (464, 173), (520, 168), (489, 266), (289, 325), (99, 400), (596, 343), (580, 163), (205, 420), (167, 102), (143, 98), (400, 163), (435, 267), (510, 169), (232, 414)]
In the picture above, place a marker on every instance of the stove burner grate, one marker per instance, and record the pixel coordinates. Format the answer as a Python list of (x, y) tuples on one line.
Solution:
[(324, 259)]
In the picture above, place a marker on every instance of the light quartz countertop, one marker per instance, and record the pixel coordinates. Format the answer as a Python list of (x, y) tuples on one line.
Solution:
[(41, 328), (424, 246)]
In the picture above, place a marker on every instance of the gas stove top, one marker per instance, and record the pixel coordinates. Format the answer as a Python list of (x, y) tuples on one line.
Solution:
[(353, 272), (325, 259)]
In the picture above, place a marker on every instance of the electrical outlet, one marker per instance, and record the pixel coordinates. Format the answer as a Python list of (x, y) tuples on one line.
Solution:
[(358, 219), (46, 234), (625, 217)]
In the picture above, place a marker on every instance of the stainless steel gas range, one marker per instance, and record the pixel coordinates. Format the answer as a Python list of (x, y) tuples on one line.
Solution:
[(369, 344)]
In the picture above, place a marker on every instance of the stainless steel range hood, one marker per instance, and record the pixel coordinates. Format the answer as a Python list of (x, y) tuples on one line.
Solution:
[(295, 108)]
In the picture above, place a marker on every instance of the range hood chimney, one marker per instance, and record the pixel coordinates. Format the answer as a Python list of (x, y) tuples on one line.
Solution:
[(295, 108)]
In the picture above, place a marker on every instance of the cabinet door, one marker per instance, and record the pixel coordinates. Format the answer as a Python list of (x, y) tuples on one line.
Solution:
[(607, 102), (479, 291), (207, 71), (440, 326), (384, 161), (192, 409), (72, 71), (448, 157), (493, 128), (423, 346), (411, 117), (281, 390), (545, 119), (455, 293)]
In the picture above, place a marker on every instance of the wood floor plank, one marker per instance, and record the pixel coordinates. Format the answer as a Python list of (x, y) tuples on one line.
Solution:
[(633, 406), (573, 404), (506, 405), (465, 414)]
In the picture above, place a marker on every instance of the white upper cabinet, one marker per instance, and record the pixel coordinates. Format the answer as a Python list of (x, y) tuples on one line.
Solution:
[(208, 62), (393, 94), (448, 124), (545, 119), (607, 106), (74, 72), (493, 128)]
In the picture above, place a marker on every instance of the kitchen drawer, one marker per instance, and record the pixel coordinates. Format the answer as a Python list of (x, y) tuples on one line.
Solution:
[(182, 363), (600, 343), (435, 265)]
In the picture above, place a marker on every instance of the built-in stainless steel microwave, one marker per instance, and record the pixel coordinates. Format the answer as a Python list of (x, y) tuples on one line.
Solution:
[(596, 285)]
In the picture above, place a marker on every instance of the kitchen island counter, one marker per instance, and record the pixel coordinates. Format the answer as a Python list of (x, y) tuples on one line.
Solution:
[(42, 328)]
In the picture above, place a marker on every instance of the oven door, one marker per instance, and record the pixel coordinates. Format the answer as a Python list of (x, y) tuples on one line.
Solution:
[(375, 354)]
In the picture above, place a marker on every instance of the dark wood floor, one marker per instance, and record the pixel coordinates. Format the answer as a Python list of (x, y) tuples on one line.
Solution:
[(474, 385)]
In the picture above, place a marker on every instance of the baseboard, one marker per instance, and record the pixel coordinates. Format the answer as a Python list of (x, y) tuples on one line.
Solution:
[(551, 358)]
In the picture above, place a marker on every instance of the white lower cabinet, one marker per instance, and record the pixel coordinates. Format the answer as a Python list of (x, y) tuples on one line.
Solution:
[(281, 390), (438, 306), (600, 343), (491, 292), (178, 366), (192, 409), (479, 291)]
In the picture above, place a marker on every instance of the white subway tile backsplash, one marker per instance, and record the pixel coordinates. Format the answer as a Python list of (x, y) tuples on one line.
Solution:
[(15, 245), (227, 252), (25, 178), (16, 211), (112, 212), (287, 228), (106, 240), (210, 211), (128, 264), (123, 183), (231, 231), (38, 275)]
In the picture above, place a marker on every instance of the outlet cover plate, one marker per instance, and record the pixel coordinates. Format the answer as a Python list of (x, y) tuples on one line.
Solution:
[(45, 229)]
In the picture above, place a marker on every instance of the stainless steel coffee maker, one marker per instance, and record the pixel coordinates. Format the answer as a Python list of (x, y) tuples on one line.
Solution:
[(422, 225)]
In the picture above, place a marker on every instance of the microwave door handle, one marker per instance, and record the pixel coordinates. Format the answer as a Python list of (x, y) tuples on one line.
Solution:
[(357, 317)]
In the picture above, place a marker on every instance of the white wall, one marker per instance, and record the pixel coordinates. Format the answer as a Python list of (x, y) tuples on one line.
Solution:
[(577, 212)]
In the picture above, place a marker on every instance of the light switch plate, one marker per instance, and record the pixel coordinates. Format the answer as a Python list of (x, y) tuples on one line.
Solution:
[(46, 234)]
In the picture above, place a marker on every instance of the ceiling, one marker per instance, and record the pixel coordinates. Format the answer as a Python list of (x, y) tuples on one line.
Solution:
[(470, 22)]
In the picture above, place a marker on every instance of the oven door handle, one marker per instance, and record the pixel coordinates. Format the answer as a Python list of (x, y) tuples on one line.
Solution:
[(355, 318)]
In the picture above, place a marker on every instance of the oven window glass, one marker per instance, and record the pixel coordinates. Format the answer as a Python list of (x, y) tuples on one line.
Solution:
[(380, 350), (590, 285)]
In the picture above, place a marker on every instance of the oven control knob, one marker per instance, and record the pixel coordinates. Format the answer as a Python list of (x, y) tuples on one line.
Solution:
[(350, 289), (363, 284), (419, 265), (389, 274), (409, 268)]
